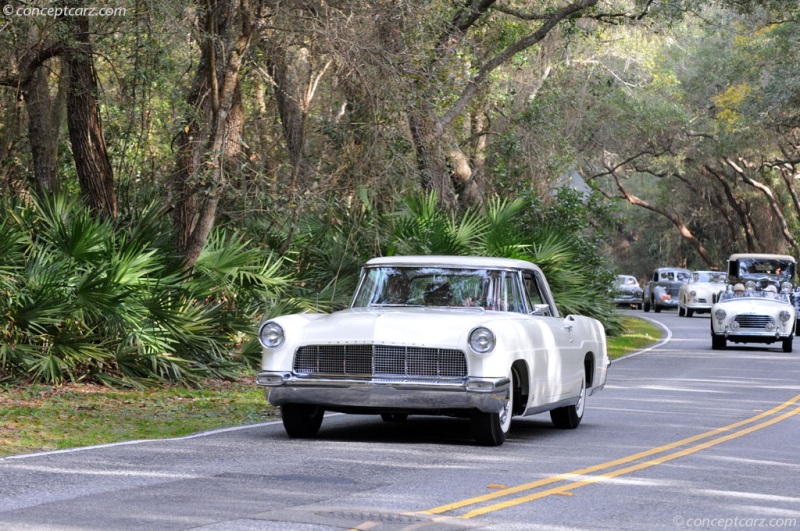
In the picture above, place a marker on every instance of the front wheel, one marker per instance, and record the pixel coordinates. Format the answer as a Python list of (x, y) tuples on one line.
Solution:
[(718, 342), (491, 429), (646, 306), (689, 312), (681, 311), (301, 421), (787, 344), (568, 417)]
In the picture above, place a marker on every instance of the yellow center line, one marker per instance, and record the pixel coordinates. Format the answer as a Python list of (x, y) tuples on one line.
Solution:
[(624, 460), (632, 468)]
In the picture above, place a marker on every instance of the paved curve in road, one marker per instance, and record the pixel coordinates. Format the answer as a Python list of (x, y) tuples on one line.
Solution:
[(682, 437)]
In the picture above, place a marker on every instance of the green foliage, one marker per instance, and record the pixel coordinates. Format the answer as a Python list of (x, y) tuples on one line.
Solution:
[(87, 301)]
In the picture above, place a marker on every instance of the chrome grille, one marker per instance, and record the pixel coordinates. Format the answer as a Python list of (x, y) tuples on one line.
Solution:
[(753, 321), (380, 360)]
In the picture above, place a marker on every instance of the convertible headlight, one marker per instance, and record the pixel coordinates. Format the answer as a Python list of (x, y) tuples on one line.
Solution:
[(784, 315), (720, 314), (481, 340), (271, 334), (786, 287)]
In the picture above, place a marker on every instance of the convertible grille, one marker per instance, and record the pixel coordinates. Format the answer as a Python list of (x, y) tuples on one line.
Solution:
[(753, 321), (380, 360)]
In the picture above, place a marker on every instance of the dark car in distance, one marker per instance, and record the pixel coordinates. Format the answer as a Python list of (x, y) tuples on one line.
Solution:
[(625, 291)]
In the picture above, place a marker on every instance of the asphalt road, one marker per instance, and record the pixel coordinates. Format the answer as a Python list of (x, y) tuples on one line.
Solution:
[(682, 437)]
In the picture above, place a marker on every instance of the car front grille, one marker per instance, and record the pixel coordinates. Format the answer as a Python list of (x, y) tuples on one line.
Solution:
[(753, 321), (380, 360)]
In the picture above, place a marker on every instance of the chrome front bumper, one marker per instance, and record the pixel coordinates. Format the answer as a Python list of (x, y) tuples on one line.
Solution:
[(488, 395)]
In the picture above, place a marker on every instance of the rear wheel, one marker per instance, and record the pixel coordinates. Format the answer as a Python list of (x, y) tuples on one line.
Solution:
[(568, 418), (491, 429), (301, 421)]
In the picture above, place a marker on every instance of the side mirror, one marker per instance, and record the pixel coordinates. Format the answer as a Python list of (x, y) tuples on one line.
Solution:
[(541, 309)]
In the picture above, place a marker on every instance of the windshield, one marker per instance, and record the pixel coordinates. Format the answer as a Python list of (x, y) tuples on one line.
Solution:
[(753, 268), (436, 286), (673, 276), (715, 277), (755, 294), (622, 281)]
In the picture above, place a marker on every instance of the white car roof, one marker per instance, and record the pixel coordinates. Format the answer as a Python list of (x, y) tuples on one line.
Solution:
[(453, 261), (761, 256)]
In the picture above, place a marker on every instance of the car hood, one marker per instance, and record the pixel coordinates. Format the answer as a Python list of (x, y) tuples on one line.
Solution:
[(705, 287), (747, 305), (445, 326)]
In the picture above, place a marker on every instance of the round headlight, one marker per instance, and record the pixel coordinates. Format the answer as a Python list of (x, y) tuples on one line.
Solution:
[(749, 285), (693, 293), (481, 340), (784, 315), (271, 334), (720, 314), (786, 287)]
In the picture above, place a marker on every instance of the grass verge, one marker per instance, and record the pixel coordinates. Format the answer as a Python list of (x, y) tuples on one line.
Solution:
[(36, 418), (638, 334)]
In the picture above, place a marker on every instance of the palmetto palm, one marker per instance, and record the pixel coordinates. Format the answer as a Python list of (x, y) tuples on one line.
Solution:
[(87, 300)]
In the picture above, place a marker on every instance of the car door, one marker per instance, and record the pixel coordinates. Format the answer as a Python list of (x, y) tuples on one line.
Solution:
[(553, 370)]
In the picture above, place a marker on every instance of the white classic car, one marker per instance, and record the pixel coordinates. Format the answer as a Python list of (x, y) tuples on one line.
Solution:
[(472, 337), (758, 307), (700, 292)]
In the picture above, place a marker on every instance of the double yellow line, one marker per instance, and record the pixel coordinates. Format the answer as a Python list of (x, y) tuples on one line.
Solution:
[(733, 431)]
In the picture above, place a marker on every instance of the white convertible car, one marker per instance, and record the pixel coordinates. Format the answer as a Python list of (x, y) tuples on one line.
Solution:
[(701, 292), (758, 307), (472, 337)]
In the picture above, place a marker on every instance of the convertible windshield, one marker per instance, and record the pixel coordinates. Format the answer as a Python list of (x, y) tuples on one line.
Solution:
[(436, 286)]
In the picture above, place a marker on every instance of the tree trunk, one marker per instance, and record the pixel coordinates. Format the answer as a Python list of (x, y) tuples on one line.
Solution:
[(769, 194), (680, 225), (42, 132), (431, 157), (212, 135), (85, 127), (744, 219)]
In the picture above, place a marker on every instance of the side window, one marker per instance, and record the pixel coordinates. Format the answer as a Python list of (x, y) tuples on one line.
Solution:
[(532, 290)]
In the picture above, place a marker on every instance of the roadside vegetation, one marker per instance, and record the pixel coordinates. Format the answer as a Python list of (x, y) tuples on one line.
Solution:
[(638, 334), (85, 301), (39, 417)]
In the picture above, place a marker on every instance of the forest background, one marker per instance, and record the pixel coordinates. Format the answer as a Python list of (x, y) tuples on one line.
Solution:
[(174, 172)]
